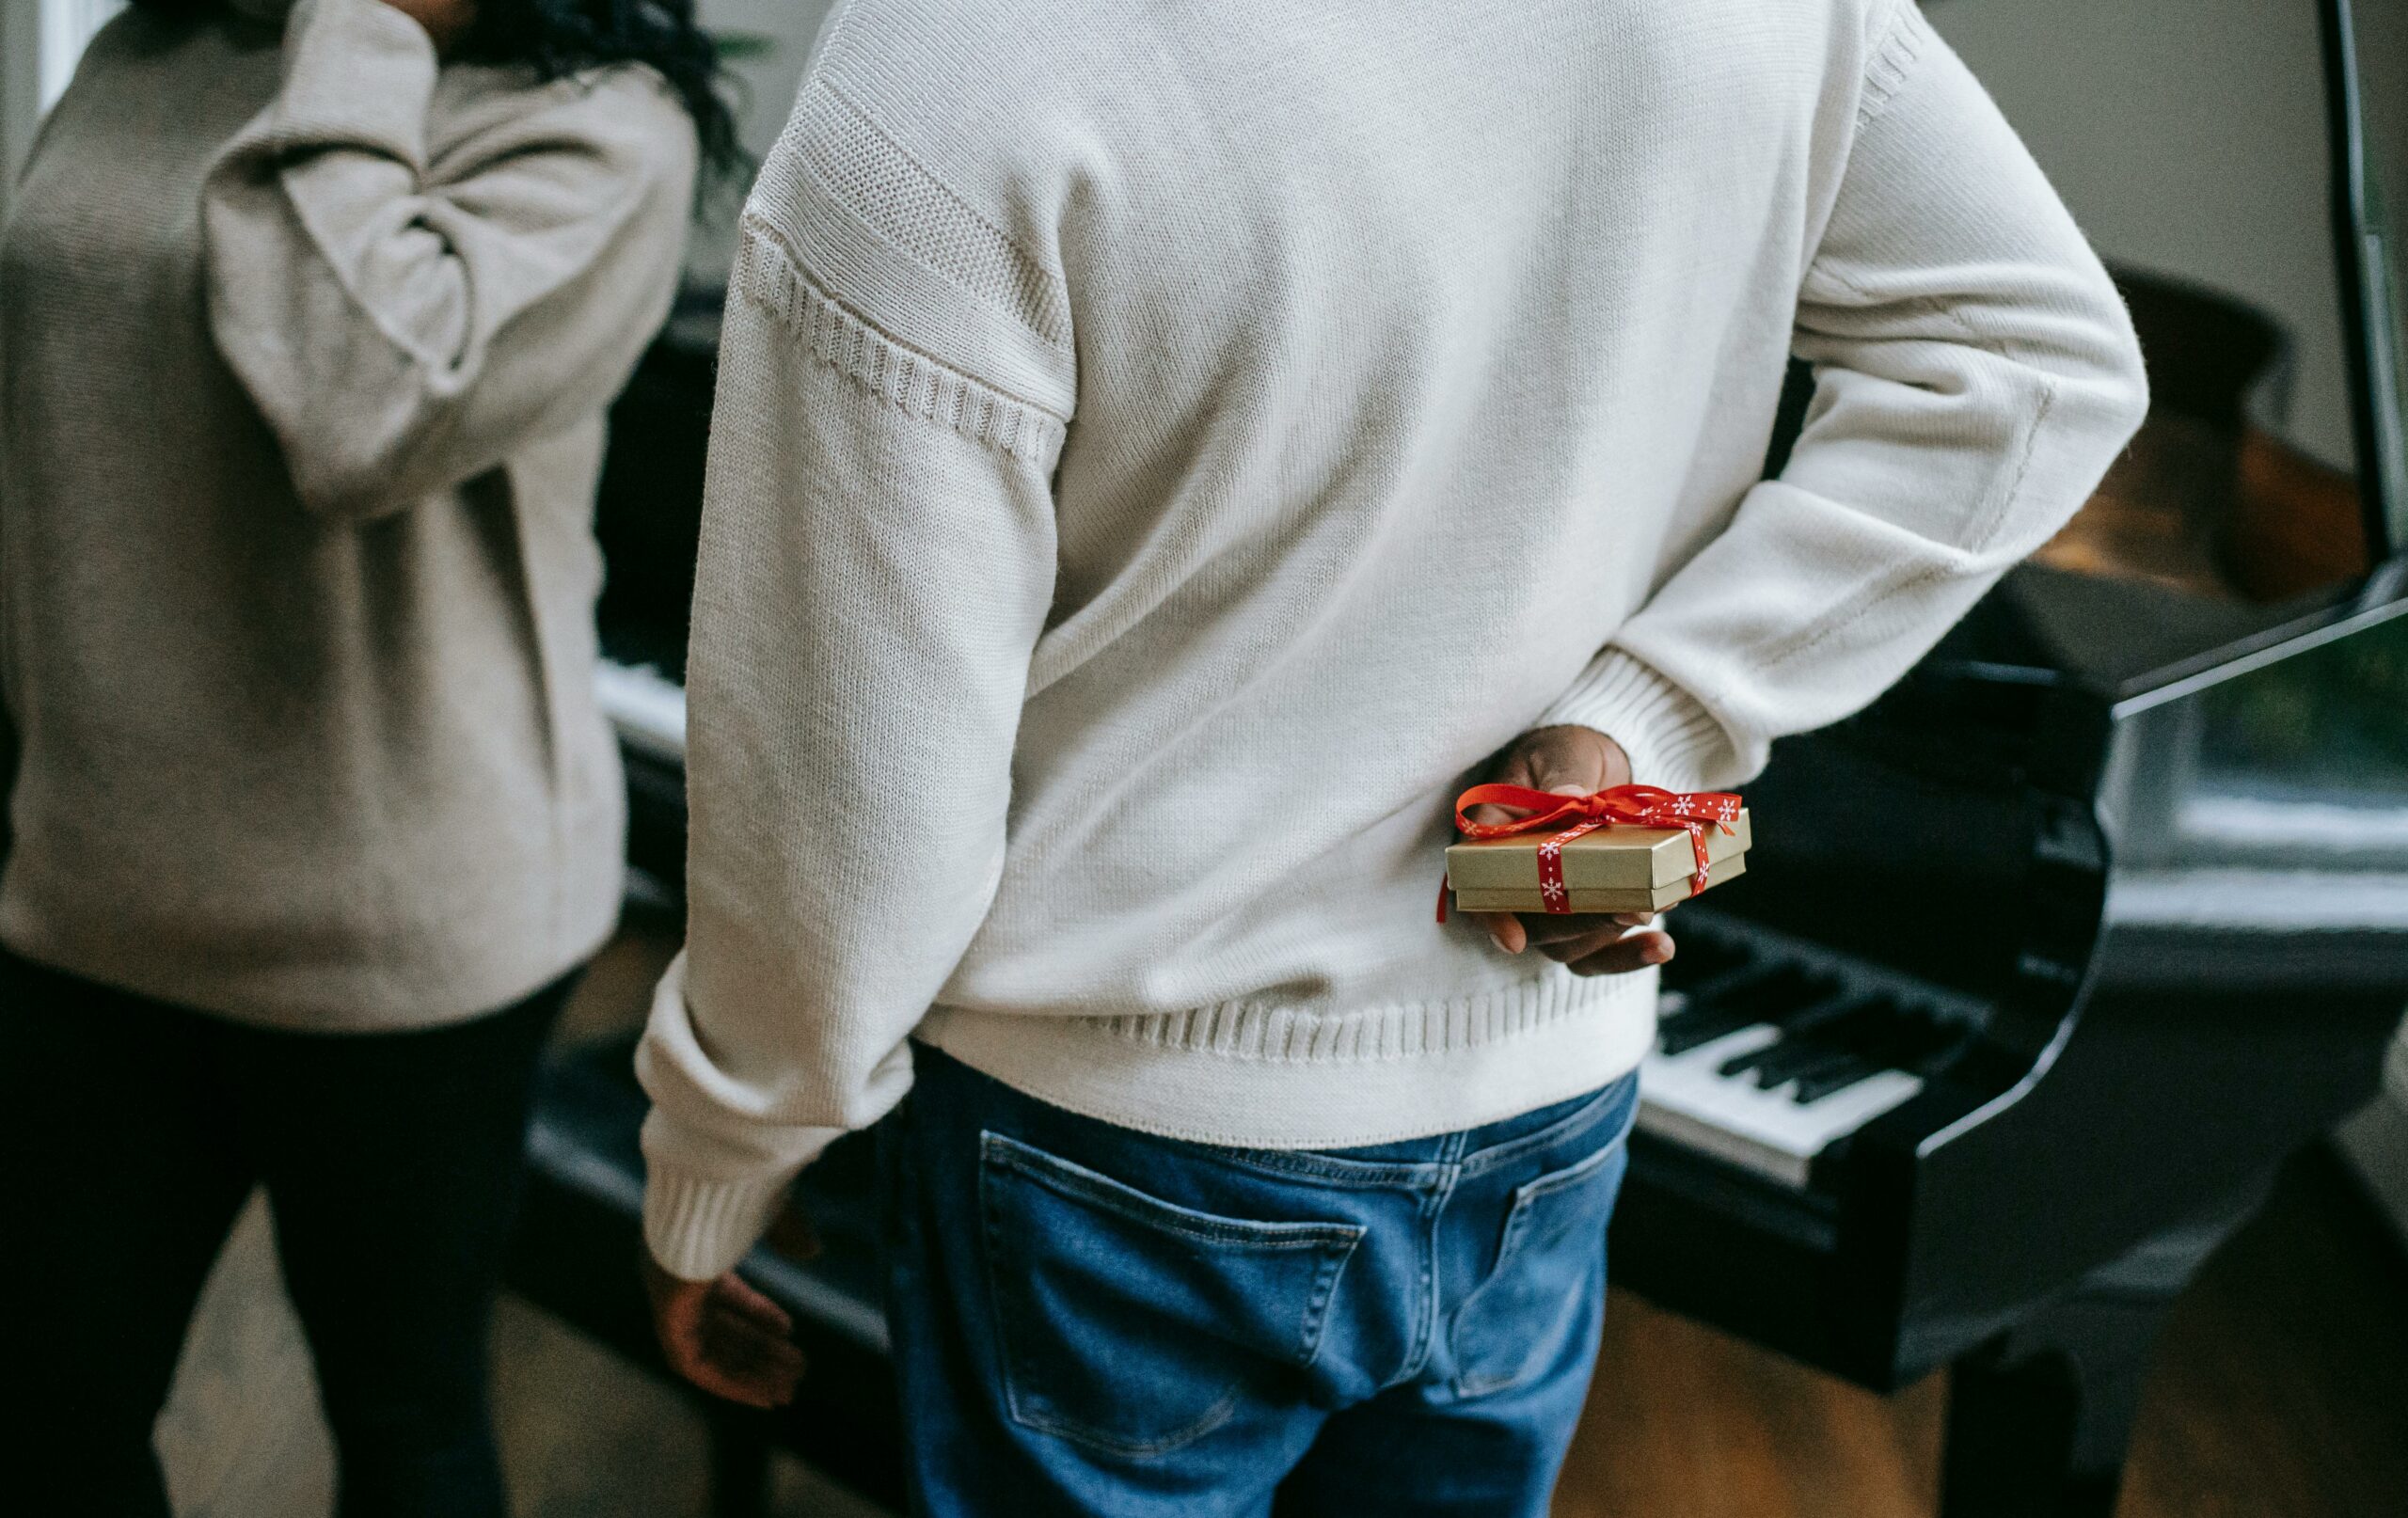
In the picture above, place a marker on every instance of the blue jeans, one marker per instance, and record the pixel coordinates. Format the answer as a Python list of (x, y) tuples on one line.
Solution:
[(1091, 1320)]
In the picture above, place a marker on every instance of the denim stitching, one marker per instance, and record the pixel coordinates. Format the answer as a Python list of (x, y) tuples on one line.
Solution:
[(1006, 1153), (1323, 1169), (1516, 1230), (1555, 1132), (1081, 1184), (1316, 1331), (1433, 1208), (1079, 1433), (992, 1217)]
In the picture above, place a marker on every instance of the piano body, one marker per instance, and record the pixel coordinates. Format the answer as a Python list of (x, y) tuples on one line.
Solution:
[(2117, 948), (2041, 965)]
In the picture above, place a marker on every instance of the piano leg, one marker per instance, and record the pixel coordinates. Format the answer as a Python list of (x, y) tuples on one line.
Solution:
[(2040, 1416), (2038, 1427)]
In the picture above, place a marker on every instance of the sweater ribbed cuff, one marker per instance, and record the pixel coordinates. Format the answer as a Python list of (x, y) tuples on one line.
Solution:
[(1673, 741), (356, 71), (698, 1229)]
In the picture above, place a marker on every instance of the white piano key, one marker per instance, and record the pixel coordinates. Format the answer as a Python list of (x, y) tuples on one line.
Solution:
[(1685, 1100), (644, 707)]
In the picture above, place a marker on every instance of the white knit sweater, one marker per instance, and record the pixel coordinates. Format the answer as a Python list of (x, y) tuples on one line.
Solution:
[(1161, 451)]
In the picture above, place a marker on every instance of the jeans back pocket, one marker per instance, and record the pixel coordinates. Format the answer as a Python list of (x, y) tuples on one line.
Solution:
[(1132, 1326), (1547, 1280)]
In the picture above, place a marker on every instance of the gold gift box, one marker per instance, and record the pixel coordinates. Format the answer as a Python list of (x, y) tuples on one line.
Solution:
[(1616, 869)]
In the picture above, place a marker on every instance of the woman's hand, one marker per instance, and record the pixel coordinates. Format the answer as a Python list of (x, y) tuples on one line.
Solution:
[(1571, 760), (446, 20)]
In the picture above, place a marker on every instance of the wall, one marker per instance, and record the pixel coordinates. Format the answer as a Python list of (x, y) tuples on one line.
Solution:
[(2188, 137), (768, 42), (20, 87), (2187, 134)]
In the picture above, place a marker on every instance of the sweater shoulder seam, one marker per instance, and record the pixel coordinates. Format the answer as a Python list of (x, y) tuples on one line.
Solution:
[(1892, 61), (769, 274), (861, 165)]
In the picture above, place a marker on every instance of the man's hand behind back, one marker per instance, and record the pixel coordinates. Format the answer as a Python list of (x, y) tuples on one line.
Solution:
[(1571, 760)]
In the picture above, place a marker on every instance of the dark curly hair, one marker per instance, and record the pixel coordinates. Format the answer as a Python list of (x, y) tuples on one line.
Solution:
[(557, 38)]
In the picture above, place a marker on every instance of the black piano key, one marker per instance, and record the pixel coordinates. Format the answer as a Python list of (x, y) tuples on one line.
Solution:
[(1695, 1028), (1816, 1015), (1836, 1077), (1704, 992), (1841, 1021), (1843, 1068), (1847, 1038), (1699, 1026), (1710, 1011), (1716, 1011), (1808, 1017), (1943, 1055), (1904, 1045), (1739, 1065)]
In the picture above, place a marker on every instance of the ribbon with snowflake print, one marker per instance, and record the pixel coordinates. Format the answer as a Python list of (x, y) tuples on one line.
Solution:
[(1574, 817)]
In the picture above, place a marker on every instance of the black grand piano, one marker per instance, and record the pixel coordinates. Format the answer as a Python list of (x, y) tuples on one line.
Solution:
[(2121, 923)]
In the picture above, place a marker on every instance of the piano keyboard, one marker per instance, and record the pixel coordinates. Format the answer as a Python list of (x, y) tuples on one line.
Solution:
[(1760, 1061), (1764, 1059)]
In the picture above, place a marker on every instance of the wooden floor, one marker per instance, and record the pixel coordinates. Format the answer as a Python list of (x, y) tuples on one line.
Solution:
[(2280, 1391)]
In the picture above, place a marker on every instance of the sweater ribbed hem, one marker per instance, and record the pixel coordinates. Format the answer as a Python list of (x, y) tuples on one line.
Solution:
[(1263, 1076), (698, 1229), (1673, 741), (368, 987)]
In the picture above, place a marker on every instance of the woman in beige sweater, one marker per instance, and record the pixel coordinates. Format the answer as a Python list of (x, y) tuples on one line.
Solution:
[(307, 324)]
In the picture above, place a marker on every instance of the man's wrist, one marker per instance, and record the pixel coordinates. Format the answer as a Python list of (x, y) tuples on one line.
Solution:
[(697, 1230), (1669, 738)]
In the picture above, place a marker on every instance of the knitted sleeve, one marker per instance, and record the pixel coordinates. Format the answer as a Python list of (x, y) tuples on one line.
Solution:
[(1976, 372), (406, 320), (877, 563)]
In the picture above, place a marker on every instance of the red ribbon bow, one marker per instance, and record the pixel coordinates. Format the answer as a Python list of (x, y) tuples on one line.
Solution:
[(1623, 806)]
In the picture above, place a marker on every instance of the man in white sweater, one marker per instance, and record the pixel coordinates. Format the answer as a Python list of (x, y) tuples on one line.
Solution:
[(1162, 455)]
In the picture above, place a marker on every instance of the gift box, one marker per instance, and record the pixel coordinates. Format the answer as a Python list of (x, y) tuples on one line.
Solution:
[(1630, 849)]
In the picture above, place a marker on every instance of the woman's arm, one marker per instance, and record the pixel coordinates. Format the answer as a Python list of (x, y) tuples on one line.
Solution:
[(1975, 373), (402, 321)]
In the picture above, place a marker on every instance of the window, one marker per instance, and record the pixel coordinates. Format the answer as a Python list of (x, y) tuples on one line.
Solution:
[(40, 45), (67, 25)]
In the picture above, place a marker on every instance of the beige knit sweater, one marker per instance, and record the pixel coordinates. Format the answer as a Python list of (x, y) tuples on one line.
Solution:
[(1163, 449), (305, 343)]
